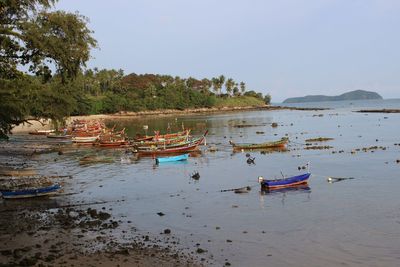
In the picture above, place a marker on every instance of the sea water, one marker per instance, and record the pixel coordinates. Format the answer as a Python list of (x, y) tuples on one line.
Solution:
[(354, 222)]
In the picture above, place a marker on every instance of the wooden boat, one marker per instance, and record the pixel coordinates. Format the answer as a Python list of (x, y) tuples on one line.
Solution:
[(113, 143), (160, 142), (272, 144), (31, 192), (173, 158), (59, 136), (41, 132), (164, 145), (171, 150), (85, 139), (284, 182), (162, 137), (27, 187)]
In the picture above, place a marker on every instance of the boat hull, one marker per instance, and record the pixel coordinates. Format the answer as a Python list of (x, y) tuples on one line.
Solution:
[(286, 182), (172, 159), (33, 192), (91, 139), (275, 144), (176, 150), (113, 144)]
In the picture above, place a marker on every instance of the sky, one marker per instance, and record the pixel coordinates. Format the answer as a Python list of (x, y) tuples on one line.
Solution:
[(286, 48)]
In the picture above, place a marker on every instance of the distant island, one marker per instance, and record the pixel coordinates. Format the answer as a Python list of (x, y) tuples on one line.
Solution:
[(353, 95)]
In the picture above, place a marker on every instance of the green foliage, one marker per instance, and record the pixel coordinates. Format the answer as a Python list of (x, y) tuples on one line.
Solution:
[(32, 36), (240, 101), (253, 94), (267, 99)]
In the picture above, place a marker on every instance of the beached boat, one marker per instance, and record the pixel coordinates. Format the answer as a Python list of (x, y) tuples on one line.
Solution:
[(284, 182), (113, 143), (85, 139), (31, 192), (192, 146), (161, 142), (272, 144), (27, 187), (165, 145), (161, 137), (171, 149), (41, 132), (59, 136), (172, 158)]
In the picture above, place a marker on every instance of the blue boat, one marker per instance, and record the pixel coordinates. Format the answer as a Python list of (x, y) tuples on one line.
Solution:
[(171, 159), (285, 182), (30, 192)]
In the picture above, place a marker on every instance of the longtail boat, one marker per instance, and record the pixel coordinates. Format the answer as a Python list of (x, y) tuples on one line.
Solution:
[(113, 143), (112, 139), (31, 192), (85, 139), (41, 132), (284, 182), (59, 136), (164, 145), (162, 137), (174, 140), (27, 187), (192, 146), (172, 158), (272, 144)]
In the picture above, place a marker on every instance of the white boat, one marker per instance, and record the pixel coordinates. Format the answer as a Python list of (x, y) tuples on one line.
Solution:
[(85, 139)]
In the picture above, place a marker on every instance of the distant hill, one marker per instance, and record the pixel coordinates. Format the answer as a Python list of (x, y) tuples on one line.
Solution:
[(353, 95)]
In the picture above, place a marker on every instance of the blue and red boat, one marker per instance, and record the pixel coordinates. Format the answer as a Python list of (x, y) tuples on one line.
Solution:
[(284, 182), (31, 192)]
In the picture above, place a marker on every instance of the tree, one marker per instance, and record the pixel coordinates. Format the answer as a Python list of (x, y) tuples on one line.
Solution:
[(215, 85), (242, 87), (221, 82), (267, 99), (32, 36), (206, 85), (236, 89), (57, 38), (229, 84)]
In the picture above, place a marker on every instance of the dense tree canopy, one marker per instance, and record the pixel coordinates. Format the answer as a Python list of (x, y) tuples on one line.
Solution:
[(33, 38)]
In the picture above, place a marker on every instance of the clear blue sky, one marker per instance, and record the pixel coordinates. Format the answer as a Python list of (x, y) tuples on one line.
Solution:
[(286, 48)]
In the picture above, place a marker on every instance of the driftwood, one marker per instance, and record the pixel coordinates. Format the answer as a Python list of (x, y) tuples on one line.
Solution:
[(244, 189)]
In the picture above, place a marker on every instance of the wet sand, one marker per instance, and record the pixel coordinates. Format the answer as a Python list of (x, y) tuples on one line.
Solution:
[(55, 231)]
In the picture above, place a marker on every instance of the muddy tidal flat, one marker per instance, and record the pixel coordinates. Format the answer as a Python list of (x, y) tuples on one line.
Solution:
[(128, 211)]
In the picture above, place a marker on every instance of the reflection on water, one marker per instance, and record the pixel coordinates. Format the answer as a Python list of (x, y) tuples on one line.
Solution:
[(351, 223), (291, 189)]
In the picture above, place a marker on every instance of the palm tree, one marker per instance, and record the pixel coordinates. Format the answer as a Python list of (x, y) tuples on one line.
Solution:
[(215, 84), (221, 82), (230, 83), (206, 84), (235, 91), (242, 87), (236, 88)]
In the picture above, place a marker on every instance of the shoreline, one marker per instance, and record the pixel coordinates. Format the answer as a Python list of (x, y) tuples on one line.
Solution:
[(36, 125)]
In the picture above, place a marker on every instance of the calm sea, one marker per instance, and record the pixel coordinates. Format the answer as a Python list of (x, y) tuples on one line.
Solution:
[(354, 222)]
